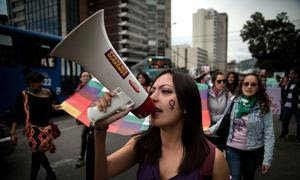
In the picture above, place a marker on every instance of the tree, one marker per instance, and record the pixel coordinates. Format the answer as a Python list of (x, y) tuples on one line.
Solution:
[(273, 42)]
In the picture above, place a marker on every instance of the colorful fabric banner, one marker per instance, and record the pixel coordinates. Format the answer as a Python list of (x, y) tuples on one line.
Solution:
[(203, 89), (275, 97), (77, 104)]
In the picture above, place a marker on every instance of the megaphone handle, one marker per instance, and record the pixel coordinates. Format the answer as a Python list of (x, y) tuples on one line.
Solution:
[(119, 102)]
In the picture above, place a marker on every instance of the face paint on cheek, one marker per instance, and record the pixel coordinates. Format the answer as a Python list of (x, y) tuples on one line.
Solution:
[(172, 104)]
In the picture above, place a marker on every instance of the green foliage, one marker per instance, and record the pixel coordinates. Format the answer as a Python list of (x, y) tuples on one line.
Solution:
[(272, 42)]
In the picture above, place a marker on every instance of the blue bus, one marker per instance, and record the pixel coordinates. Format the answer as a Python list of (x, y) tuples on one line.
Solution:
[(152, 65), (19, 49)]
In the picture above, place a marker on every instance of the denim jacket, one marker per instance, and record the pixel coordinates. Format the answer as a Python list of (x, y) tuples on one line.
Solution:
[(260, 130)]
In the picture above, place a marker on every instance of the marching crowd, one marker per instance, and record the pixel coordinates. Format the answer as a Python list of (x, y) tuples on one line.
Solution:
[(239, 141)]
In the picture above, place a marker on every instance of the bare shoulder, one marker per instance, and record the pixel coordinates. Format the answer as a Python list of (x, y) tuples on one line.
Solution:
[(220, 171)]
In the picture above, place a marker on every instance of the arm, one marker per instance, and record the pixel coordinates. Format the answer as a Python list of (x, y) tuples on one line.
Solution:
[(269, 141), (124, 158), (13, 134), (220, 170)]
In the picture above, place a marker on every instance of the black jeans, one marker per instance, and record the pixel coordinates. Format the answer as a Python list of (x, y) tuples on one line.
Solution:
[(286, 118), (39, 158), (84, 136)]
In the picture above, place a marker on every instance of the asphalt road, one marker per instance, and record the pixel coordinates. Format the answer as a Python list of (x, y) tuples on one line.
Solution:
[(285, 166)]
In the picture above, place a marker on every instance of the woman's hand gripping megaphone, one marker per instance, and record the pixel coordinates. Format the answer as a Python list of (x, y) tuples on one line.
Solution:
[(102, 104)]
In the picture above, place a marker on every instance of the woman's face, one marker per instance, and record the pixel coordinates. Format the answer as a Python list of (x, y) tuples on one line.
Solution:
[(250, 86), (219, 83), (165, 100), (85, 77), (141, 79), (230, 78)]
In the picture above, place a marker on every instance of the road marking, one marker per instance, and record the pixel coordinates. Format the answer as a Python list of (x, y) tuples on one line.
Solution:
[(62, 163), (69, 128)]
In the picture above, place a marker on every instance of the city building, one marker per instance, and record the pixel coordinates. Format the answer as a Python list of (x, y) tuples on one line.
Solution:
[(210, 30), (125, 25), (190, 58), (232, 66), (52, 17), (159, 27), (3, 12)]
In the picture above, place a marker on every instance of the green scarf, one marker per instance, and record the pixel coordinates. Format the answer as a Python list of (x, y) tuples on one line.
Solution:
[(245, 105)]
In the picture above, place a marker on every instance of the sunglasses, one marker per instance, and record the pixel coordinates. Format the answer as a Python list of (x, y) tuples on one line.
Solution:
[(221, 81), (246, 84)]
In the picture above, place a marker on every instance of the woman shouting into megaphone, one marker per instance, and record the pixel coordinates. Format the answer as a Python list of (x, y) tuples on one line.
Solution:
[(174, 146)]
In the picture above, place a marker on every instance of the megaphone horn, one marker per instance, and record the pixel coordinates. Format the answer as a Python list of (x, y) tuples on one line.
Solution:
[(89, 46)]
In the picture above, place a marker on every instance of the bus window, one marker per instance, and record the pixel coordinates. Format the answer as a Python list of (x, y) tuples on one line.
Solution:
[(7, 56), (159, 63), (37, 55)]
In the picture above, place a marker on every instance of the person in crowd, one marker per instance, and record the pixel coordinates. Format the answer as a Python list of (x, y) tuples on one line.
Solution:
[(144, 79), (218, 98), (291, 103), (283, 85), (85, 77), (34, 105), (251, 134), (232, 81), (174, 146), (263, 74)]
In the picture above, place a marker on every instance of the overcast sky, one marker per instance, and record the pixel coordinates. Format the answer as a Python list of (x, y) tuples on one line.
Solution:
[(238, 12)]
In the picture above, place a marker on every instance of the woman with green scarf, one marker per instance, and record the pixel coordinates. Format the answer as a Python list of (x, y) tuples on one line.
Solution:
[(250, 142)]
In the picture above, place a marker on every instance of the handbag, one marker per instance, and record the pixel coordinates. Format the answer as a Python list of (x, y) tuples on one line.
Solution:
[(40, 139), (223, 130)]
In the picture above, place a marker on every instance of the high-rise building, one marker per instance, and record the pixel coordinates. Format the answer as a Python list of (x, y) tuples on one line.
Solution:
[(54, 17), (126, 26), (190, 58), (3, 12), (210, 30), (159, 27)]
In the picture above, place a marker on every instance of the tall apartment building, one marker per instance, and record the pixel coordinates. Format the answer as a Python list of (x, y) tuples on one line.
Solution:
[(125, 25), (159, 27), (210, 30), (54, 17), (190, 58), (3, 12)]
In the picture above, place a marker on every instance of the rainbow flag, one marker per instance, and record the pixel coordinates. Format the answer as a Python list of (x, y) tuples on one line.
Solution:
[(77, 104), (203, 89)]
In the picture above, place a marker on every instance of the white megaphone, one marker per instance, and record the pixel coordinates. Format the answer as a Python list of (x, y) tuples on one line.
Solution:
[(89, 46)]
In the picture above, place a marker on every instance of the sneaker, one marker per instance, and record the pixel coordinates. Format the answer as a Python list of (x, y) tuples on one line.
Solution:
[(79, 162), (51, 176)]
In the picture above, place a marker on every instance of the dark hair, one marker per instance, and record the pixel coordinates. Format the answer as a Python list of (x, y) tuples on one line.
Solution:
[(84, 72), (232, 87), (262, 96), (148, 145), (214, 76), (31, 76), (146, 76)]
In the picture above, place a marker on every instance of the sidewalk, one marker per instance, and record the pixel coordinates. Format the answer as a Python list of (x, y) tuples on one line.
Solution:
[(286, 158)]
